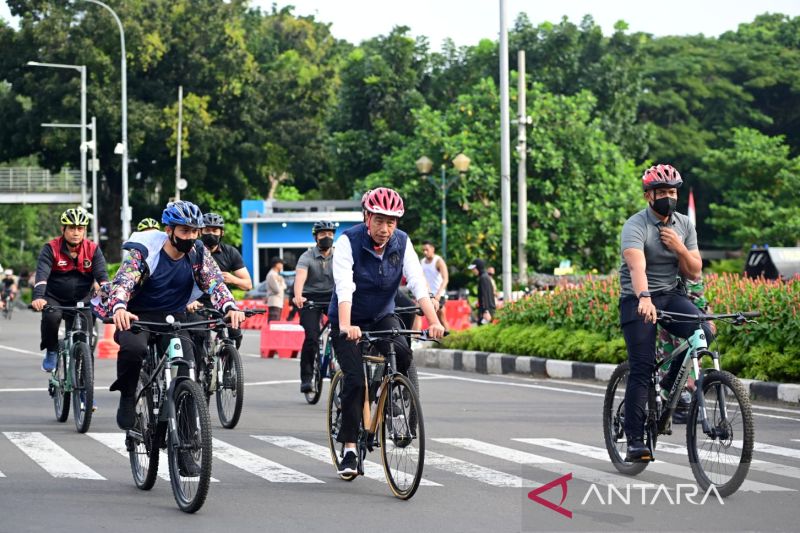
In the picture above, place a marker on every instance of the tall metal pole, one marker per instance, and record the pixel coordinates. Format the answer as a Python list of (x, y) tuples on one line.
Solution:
[(444, 214), (180, 142), (125, 214), (83, 136), (505, 154), (95, 207), (522, 179)]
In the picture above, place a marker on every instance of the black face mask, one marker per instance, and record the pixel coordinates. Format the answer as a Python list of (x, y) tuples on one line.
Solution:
[(210, 240), (665, 206), (325, 243), (184, 246)]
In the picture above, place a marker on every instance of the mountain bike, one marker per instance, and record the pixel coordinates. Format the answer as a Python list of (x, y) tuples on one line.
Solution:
[(324, 360), (392, 416), (171, 413), (719, 426), (8, 305), (73, 376), (221, 372)]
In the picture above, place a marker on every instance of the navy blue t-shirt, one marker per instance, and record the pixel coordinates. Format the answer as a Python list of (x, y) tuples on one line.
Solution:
[(167, 289)]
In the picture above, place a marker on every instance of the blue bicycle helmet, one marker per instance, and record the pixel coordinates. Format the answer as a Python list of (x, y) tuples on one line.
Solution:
[(182, 213)]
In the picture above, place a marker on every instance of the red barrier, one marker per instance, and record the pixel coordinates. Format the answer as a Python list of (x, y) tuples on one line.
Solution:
[(258, 321), (457, 313), (284, 339)]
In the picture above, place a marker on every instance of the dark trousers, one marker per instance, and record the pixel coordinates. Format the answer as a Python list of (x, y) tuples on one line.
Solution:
[(310, 320), (640, 339), (51, 320), (133, 350), (202, 338), (348, 354)]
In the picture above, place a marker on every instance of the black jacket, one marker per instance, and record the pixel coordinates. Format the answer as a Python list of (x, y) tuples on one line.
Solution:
[(485, 292), (66, 287)]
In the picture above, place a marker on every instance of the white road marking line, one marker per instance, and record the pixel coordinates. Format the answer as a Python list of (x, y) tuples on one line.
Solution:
[(20, 350), (660, 467), (755, 464), (538, 461), (259, 466), (321, 453), (476, 472), (116, 441), (253, 355), (54, 459), (776, 416), (777, 409), (774, 450), (23, 390), (274, 382), (522, 385)]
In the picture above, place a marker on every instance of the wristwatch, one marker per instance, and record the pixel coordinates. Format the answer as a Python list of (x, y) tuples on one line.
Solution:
[(644, 294)]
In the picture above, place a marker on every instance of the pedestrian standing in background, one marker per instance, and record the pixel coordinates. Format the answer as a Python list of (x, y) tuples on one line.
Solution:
[(490, 271), (276, 288), (486, 305), (436, 274)]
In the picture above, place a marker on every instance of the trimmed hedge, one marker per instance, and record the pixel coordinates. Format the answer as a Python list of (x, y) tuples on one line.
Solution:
[(582, 324)]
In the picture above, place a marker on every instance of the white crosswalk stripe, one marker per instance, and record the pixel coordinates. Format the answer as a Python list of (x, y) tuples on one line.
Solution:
[(321, 453), (116, 441), (658, 466), (755, 464), (259, 466), (772, 449), (539, 461), (54, 459), (476, 472)]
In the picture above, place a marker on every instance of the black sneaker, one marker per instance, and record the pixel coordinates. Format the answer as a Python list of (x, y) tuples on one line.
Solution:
[(638, 452), (126, 412), (187, 466), (306, 387), (348, 466)]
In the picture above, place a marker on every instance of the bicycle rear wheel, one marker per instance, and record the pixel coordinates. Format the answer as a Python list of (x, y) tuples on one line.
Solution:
[(144, 441), (82, 386), (723, 458), (402, 437), (335, 422), (614, 422), (58, 381), (230, 386), (189, 448)]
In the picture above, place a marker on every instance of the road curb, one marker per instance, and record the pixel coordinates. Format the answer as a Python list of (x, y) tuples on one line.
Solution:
[(500, 363)]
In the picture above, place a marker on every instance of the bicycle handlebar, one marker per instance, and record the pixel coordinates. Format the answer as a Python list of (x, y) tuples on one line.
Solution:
[(740, 316), (219, 314), (417, 310), (74, 308), (310, 304), (374, 336)]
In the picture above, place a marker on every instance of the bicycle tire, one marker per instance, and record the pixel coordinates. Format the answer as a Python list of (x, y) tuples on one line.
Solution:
[(144, 454), (401, 428), (82, 386), (193, 432), (723, 379), (613, 424), (230, 389), (316, 383), (334, 416), (413, 376), (60, 396)]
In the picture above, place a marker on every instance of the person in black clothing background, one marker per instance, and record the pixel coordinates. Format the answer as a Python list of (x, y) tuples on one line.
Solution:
[(66, 271), (486, 306)]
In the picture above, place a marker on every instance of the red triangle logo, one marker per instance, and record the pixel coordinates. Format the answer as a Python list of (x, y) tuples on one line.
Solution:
[(562, 482)]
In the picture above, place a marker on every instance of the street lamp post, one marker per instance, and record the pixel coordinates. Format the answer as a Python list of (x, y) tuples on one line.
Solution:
[(125, 214), (425, 166), (82, 70)]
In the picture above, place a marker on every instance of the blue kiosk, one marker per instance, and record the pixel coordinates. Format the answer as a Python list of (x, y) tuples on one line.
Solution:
[(273, 228)]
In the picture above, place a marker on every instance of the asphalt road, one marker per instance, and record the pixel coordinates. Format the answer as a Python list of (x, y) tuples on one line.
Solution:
[(490, 441)]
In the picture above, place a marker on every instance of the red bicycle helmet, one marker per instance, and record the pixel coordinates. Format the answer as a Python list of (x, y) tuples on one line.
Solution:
[(661, 176), (384, 201)]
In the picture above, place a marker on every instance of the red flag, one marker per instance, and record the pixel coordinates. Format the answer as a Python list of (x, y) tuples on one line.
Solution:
[(692, 215)]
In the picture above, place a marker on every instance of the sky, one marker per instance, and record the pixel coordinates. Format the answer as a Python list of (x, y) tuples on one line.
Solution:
[(469, 21)]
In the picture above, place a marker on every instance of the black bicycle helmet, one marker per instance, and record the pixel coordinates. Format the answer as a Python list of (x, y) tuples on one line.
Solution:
[(323, 225), (213, 220)]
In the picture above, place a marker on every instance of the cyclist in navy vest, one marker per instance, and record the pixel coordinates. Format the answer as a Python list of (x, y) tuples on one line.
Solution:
[(370, 260), (67, 269)]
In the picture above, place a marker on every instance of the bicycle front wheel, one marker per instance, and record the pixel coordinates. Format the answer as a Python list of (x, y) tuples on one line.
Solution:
[(82, 386), (189, 448), (230, 387), (721, 458), (58, 382), (402, 437), (614, 422), (144, 441)]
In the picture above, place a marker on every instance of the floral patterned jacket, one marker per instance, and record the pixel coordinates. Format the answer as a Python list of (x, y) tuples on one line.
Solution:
[(134, 271)]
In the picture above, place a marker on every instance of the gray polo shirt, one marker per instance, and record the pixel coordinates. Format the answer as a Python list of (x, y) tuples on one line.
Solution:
[(641, 231), (320, 272)]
